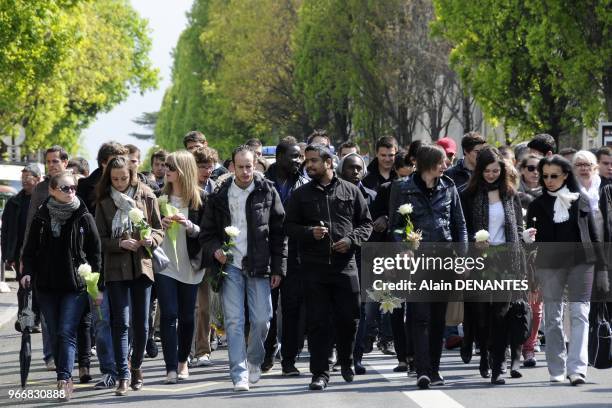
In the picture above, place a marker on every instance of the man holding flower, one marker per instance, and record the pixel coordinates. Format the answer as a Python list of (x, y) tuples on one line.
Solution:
[(249, 258)]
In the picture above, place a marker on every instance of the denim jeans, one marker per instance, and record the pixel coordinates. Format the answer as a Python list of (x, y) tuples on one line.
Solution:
[(62, 312), (578, 280), (104, 339), (125, 297), (259, 301), (46, 339), (176, 302)]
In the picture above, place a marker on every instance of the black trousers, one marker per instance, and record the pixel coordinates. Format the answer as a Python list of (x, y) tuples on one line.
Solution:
[(272, 338), (402, 338), (330, 293), (428, 321), (293, 317), (84, 338), (493, 335)]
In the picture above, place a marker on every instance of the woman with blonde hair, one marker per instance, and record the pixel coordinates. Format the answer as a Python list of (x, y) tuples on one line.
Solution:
[(177, 284), (128, 269)]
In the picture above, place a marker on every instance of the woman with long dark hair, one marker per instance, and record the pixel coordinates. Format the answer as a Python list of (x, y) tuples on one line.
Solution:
[(490, 202), (562, 215), (128, 271), (62, 237)]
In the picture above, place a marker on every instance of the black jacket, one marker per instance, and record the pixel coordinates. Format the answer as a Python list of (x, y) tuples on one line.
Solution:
[(440, 218), (267, 244), (52, 263), (14, 210), (297, 180), (605, 205), (86, 189), (540, 216), (459, 174), (374, 179), (341, 207), (148, 182)]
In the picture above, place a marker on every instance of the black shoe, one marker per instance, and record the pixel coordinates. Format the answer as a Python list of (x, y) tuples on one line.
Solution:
[(423, 382), (484, 368), (437, 379), (290, 371), (347, 374), (318, 384), (401, 368), (84, 376), (368, 345), (466, 353), (359, 368), (151, 348), (515, 374), (386, 348), (497, 380), (267, 364)]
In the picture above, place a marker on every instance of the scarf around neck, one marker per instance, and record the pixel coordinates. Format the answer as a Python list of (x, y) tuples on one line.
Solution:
[(124, 203), (60, 213), (563, 201), (592, 192)]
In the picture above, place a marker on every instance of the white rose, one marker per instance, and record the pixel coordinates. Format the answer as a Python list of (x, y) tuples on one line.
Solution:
[(405, 209), (232, 231), (84, 269), (136, 215), (482, 235)]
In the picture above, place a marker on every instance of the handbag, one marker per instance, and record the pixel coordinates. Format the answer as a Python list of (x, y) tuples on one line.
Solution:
[(159, 260), (600, 339), (519, 320)]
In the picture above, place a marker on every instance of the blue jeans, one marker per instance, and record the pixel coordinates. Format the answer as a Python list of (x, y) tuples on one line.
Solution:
[(104, 339), (62, 312), (46, 339), (260, 312), (125, 297), (176, 302)]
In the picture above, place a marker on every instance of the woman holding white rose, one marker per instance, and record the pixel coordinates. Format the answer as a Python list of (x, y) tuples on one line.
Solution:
[(177, 285), (128, 271), (493, 216)]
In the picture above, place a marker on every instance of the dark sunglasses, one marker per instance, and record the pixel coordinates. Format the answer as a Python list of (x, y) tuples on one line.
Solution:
[(531, 168), (169, 167), (551, 176), (67, 189)]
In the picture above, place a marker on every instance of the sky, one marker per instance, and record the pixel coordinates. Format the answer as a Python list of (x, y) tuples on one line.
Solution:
[(167, 20)]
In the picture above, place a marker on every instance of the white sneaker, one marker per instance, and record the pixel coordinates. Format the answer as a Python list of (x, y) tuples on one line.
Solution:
[(557, 378), (254, 373), (203, 361), (241, 385)]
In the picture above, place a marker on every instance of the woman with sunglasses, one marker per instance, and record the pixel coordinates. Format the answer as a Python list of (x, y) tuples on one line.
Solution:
[(177, 285), (490, 202), (62, 236), (128, 271), (563, 215)]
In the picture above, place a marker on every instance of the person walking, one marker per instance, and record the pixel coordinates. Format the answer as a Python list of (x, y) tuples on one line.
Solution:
[(563, 214), (329, 219), (438, 215), (128, 271), (252, 267), (490, 203), (62, 236)]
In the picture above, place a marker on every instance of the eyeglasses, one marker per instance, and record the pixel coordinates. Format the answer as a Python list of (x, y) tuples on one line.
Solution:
[(531, 168), (582, 165), (67, 189), (551, 176), (169, 167)]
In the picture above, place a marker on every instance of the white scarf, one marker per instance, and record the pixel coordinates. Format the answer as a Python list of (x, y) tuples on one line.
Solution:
[(592, 192), (563, 201), (124, 203)]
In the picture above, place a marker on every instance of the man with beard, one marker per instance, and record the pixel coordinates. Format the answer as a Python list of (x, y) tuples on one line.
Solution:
[(285, 175), (329, 219)]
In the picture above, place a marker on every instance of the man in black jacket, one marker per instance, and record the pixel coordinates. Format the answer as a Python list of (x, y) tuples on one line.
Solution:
[(14, 220), (285, 175), (254, 264), (471, 143), (381, 169), (329, 219)]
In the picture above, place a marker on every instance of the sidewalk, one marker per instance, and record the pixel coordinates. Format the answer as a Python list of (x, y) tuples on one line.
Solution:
[(8, 301)]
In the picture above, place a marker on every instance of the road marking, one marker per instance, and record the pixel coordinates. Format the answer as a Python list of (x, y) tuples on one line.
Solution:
[(432, 399), (424, 399)]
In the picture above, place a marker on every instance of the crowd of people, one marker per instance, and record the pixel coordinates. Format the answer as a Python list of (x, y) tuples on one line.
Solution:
[(224, 242)]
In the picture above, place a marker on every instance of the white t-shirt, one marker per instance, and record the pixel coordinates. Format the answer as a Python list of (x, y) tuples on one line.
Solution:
[(496, 224), (237, 198)]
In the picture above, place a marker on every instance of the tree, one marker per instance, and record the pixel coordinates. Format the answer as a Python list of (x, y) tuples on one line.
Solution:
[(148, 120), (495, 60)]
